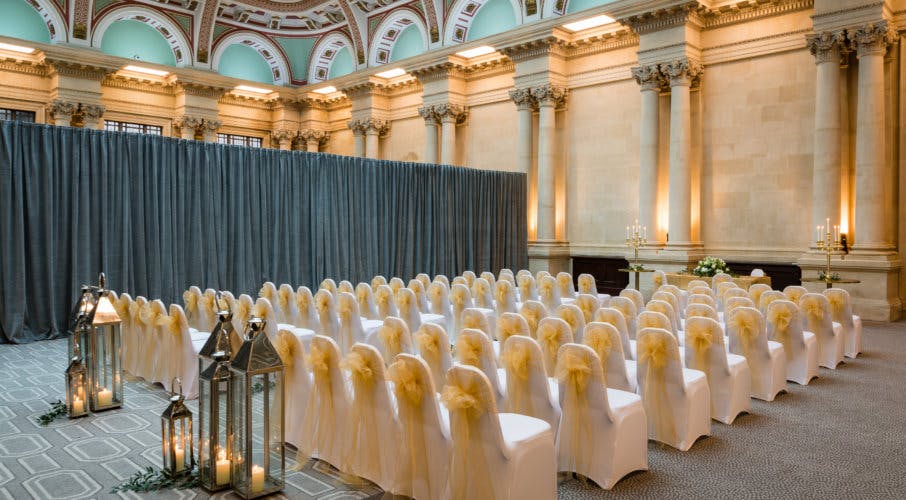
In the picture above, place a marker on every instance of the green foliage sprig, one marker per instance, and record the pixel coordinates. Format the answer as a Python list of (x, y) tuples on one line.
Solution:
[(57, 409), (150, 480)]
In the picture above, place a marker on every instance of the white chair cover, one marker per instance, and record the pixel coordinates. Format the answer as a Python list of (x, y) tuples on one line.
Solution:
[(439, 302), (529, 391), (443, 279), (184, 355), (434, 348), (509, 324), (588, 304), (816, 318), (138, 361), (392, 338), (474, 348), (667, 310), (701, 311), (574, 318), (385, 301), (477, 319), (665, 296), (703, 290), (459, 280), (755, 291), (602, 432), (681, 296), (695, 283), (501, 456), (731, 303), (614, 317), (378, 281), (565, 284), (505, 297), (269, 291), (720, 278), (345, 286), (421, 297), (264, 310), (122, 304), (242, 311), (327, 316), (636, 296), (677, 400), (785, 326), (424, 279), (191, 301), (306, 310), (207, 316), (794, 293), (728, 374), (396, 284), (605, 340), (528, 289), (842, 312), (552, 333), (330, 285), (327, 420), (407, 303), (626, 306), (549, 292), (425, 446), (507, 275), (489, 277), (541, 274), (286, 304), (365, 298), (481, 294), (374, 433), (352, 328), (297, 383), (767, 360), (658, 279), (533, 312), (588, 285), (152, 349), (700, 298)]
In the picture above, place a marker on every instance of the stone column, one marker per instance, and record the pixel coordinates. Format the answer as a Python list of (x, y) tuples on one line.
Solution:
[(681, 72), (209, 130), (358, 137), (650, 79), (525, 105), (314, 139), (186, 126), (91, 115), (61, 112), (450, 115), (375, 129), (548, 97), (282, 139), (827, 48), (428, 113), (870, 42)]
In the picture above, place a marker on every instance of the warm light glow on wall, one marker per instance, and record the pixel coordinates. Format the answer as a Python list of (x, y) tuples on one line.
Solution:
[(16, 48), (391, 73), (145, 71), (591, 22), (477, 51), (325, 90), (663, 218), (254, 90)]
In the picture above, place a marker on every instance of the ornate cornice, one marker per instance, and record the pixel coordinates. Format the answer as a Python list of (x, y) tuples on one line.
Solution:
[(140, 84), (827, 46), (441, 71), (539, 47), (201, 89), (78, 70), (24, 66), (872, 38), (683, 72), (742, 12), (550, 95), (670, 17), (246, 101), (602, 42)]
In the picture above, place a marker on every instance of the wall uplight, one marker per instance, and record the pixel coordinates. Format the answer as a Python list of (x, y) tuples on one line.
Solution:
[(325, 90), (591, 22), (391, 73), (16, 48), (477, 51), (254, 90), (146, 71)]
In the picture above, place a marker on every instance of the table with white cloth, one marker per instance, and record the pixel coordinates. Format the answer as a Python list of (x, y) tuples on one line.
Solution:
[(744, 282)]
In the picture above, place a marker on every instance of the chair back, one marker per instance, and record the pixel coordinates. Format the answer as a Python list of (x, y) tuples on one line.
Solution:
[(701, 311), (587, 284), (489, 277), (527, 388), (704, 290), (424, 279), (583, 400), (327, 315), (630, 313), (459, 280), (269, 291), (785, 326), (509, 324), (351, 330), (264, 310), (439, 302), (505, 297), (476, 319), (794, 293), (460, 300), (659, 279), (731, 303), (481, 294), (421, 297), (286, 305), (840, 307), (667, 310), (474, 348), (748, 338), (704, 347), (694, 283), (574, 318), (396, 284), (665, 296), (655, 319), (181, 360), (365, 298), (378, 281), (815, 313), (392, 339), (770, 296), (700, 298), (296, 381), (385, 301), (615, 317), (636, 296), (607, 343), (434, 348), (407, 303), (330, 285), (528, 289), (329, 406), (549, 292), (565, 284), (720, 278), (207, 310), (346, 286), (533, 312), (307, 313), (660, 378), (191, 298), (588, 304), (755, 291), (541, 274), (242, 311), (507, 275), (470, 278), (552, 333)]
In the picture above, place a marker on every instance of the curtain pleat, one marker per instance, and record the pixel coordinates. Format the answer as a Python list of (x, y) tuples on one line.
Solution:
[(158, 215)]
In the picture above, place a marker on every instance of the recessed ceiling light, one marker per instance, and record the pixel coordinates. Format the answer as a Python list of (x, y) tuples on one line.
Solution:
[(255, 90), (475, 52), (391, 73), (325, 90), (147, 71), (591, 22), (16, 48)]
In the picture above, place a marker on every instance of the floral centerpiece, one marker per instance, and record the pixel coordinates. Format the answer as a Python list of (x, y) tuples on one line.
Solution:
[(709, 266)]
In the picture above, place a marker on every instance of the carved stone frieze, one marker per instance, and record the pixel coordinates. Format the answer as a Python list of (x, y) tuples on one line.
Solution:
[(670, 17), (533, 49), (438, 72), (369, 125), (79, 70)]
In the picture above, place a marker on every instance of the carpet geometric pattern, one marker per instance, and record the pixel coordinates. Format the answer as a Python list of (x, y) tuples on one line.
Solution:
[(840, 436)]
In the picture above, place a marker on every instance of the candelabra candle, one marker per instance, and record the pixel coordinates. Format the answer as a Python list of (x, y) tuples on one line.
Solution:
[(828, 240)]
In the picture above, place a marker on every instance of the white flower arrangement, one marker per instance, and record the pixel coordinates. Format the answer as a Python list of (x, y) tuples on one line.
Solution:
[(709, 266)]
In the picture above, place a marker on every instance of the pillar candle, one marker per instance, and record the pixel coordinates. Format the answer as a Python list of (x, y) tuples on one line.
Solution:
[(257, 478), (105, 397), (78, 406), (180, 454), (223, 468)]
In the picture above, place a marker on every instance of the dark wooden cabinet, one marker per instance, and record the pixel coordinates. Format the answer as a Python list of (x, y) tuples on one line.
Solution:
[(782, 275), (605, 270)]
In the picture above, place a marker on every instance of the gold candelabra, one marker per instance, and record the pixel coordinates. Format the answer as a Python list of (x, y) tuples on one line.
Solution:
[(636, 236), (828, 239)]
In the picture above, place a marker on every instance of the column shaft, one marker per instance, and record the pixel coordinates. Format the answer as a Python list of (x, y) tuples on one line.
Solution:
[(372, 143), (648, 160), (312, 145), (547, 131), (430, 141), (680, 154), (358, 145), (448, 140), (871, 173)]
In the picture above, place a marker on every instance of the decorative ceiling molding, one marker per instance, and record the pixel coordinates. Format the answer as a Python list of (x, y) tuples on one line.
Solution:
[(24, 67), (531, 49), (78, 70), (666, 18), (115, 80)]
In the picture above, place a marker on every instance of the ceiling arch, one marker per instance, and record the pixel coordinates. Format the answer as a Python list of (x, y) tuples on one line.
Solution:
[(463, 14), (269, 51), (388, 33), (171, 32), (325, 52)]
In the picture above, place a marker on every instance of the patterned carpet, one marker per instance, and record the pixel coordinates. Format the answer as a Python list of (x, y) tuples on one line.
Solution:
[(841, 436)]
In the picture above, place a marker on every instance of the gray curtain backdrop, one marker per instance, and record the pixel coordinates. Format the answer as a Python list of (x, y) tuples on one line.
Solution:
[(159, 214)]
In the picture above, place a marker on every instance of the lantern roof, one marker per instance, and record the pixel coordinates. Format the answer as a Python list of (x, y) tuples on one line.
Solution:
[(218, 369), (219, 339), (176, 408), (257, 355)]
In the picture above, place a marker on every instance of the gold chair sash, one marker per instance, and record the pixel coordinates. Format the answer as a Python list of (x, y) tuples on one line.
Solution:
[(465, 400), (468, 350), (283, 298), (392, 338), (574, 372), (191, 301), (549, 339), (699, 337), (516, 360), (319, 413), (653, 352), (601, 343), (781, 318)]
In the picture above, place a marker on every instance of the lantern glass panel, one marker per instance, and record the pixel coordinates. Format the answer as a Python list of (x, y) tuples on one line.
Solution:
[(103, 358), (177, 445), (76, 388), (258, 419), (214, 410)]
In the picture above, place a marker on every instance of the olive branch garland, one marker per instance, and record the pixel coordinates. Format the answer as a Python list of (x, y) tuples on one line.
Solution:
[(57, 409), (150, 480)]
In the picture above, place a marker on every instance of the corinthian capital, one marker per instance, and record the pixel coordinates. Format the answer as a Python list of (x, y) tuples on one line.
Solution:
[(550, 95), (827, 46), (451, 113), (61, 108), (210, 125), (311, 135), (648, 77), (523, 98), (93, 112), (871, 38), (377, 126), (683, 72), (282, 134), (357, 126), (429, 114)]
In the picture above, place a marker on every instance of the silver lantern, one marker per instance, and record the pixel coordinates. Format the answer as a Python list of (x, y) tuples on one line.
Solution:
[(81, 310), (258, 455), (103, 353), (214, 415), (177, 444), (76, 385), (222, 338)]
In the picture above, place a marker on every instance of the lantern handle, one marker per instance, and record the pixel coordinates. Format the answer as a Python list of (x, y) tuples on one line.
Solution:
[(102, 280), (176, 382), (218, 295)]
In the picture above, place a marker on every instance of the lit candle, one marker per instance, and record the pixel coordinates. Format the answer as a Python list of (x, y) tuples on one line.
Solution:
[(223, 468), (180, 457), (836, 234), (105, 397), (817, 233), (827, 225), (644, 232), (627, 232), (78, 406), (257, 478)]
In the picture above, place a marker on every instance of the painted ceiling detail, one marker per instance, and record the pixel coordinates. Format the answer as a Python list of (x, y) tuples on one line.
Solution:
[(299, 40)]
